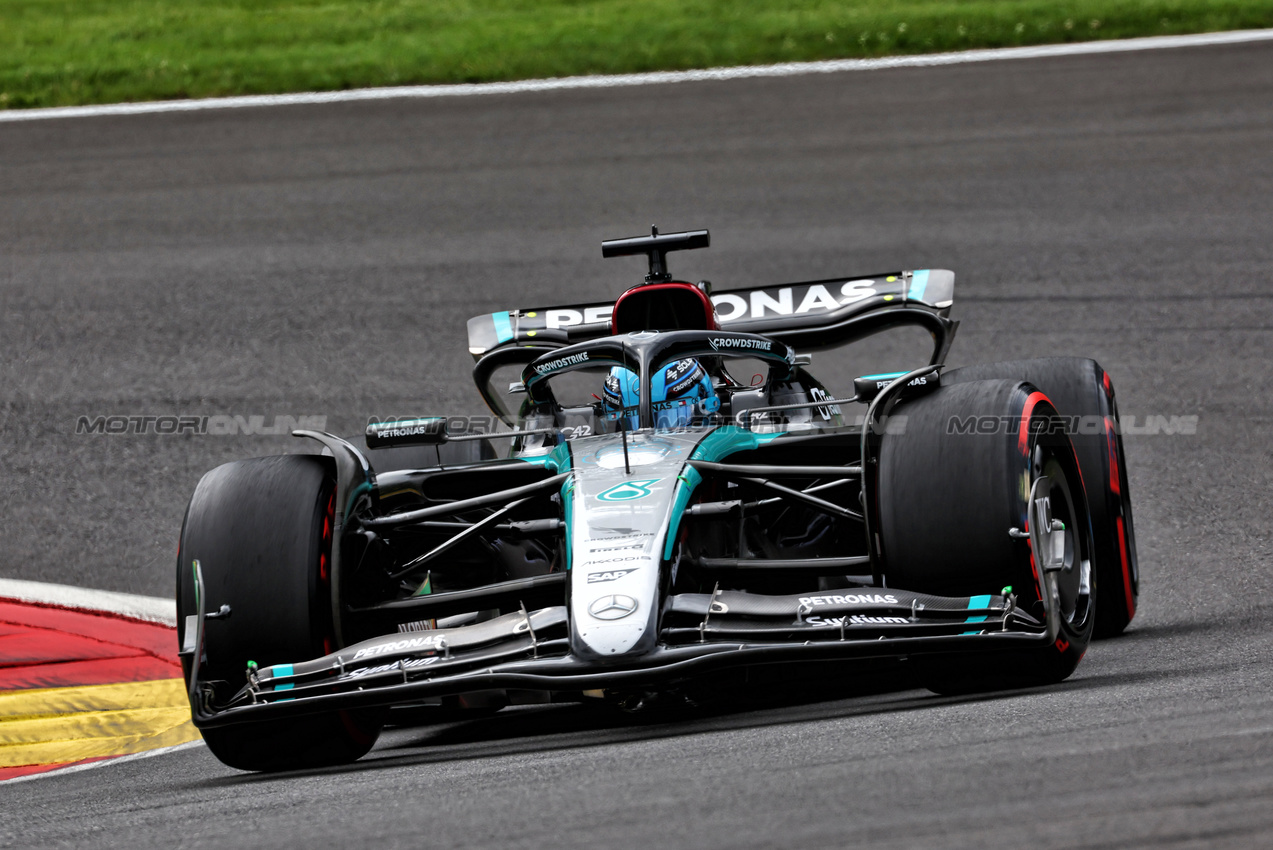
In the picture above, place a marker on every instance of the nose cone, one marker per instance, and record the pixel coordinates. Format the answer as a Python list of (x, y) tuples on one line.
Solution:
[(612, 626), (618, 524)]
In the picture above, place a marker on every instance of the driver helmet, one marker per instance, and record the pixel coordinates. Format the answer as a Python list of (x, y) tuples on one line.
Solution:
[(622, 392), (679, 392)]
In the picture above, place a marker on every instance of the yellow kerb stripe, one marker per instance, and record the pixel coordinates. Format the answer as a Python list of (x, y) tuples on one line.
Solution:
[(56, 725)]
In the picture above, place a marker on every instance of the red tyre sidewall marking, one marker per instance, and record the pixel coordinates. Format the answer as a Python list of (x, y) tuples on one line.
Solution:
[(1115, 486), (324, 559), (1023, 432), (1127, 573), (1023, 444), (1111, 451), (1023, 439)]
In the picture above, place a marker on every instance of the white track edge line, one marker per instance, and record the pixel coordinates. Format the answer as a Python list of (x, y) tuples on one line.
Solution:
[(150, 608), (76, 768), (788, 69)]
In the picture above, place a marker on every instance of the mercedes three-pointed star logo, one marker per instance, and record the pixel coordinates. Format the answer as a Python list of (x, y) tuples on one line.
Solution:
[(613, 607)]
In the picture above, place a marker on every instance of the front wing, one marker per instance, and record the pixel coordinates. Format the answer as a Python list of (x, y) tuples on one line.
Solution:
[(702, 633)]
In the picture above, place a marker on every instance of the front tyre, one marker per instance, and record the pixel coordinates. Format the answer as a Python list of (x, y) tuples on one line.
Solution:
[(1083, 393), (261, 530), (952, 483)]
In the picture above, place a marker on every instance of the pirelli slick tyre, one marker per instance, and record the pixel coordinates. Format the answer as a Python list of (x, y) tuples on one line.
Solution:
[(953, 482), (261, 531), (1084, 396)]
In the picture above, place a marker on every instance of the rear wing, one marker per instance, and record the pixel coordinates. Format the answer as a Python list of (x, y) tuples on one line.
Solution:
[(810, 315)]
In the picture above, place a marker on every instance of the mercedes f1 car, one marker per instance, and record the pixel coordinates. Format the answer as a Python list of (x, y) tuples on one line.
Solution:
[(680, 501)]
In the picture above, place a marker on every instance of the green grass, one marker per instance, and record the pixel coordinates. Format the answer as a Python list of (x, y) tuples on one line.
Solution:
[(55, 52)]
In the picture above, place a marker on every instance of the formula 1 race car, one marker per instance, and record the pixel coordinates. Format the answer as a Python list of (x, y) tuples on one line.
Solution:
[(682, 502)]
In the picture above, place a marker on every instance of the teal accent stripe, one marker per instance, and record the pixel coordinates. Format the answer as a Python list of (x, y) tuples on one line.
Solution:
[(978, 602), (558, 460), (504, 328), (727, 439), (685, 484), (283, 670), (887, 376), (568, 516), (562, 460), (919, 282)]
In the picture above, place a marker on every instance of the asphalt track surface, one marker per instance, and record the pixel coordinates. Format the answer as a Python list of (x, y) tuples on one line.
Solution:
[(322, 261)]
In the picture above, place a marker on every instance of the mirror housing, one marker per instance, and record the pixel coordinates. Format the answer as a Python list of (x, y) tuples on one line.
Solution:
[(425, 431)]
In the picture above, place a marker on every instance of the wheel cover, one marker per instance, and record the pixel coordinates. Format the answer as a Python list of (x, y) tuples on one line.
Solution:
[(1061, 552)]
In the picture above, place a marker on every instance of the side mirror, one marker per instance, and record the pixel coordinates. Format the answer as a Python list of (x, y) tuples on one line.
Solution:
[(428, 431), (868, 387)]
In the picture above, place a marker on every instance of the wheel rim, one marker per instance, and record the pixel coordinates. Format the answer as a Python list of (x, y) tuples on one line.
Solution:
[(1065, 551)]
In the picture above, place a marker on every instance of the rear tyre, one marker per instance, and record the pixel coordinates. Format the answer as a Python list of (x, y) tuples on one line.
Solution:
[(1081, 388), (947, 499), (261, 530)]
